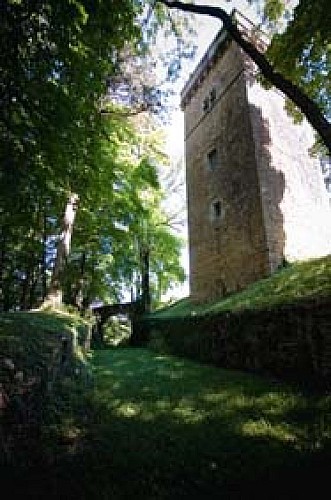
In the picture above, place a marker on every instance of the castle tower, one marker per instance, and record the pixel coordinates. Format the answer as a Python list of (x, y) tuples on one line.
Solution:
[(255, 196)]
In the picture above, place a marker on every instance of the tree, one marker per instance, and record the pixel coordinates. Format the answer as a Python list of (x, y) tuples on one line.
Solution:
[(57, 61), (64, 67), (54, 61), (295, 92), (54, 295), (302, 49), (120, 218)]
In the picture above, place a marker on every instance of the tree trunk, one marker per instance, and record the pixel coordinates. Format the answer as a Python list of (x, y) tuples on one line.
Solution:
[(78, 299), (2, 268), (54, 295), (44, 259), (25, 291), (33, 299), (306, 105), (145, 288)]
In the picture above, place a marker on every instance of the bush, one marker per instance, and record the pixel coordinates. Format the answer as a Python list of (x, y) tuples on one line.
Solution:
[(117, 331)]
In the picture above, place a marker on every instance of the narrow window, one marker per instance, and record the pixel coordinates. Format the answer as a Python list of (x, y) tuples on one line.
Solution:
[(212, 96), (216, 209), (205, 105), (212, 159)]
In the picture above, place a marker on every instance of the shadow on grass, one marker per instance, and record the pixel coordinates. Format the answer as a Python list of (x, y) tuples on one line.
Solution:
[(158, 427)]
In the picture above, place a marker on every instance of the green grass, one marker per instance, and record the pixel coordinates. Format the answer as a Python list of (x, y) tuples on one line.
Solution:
[(21, 323), (301, 281), (158, 427)]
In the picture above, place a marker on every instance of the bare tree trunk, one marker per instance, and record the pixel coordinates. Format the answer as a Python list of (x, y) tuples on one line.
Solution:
[(33, 285), (25, 291), (44, 258), (78, 299), (306, 105), (145, 286), (3, 241), (54, 295)]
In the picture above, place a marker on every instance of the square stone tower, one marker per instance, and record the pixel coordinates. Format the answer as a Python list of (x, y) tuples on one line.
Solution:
[(255, 196)]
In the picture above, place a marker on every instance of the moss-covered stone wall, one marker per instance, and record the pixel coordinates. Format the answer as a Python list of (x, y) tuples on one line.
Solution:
[(290, 342)]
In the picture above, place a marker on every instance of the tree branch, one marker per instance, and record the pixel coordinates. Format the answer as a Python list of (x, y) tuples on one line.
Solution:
[(306, 105)]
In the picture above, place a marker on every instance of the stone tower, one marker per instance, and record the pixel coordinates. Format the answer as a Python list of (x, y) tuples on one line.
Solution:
[(255, 196)]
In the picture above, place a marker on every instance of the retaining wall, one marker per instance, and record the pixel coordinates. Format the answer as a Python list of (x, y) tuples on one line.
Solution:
[(290, 342)]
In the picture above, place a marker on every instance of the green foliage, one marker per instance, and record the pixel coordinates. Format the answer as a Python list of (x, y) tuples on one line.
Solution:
[(53, 72), (61, 59), (302, 50), (273, 9), (121, 215), (117, 331)]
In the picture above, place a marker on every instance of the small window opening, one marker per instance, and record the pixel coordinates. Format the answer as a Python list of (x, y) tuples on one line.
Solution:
[(205, 105), (212, 96), (217, 209), (212, 159)]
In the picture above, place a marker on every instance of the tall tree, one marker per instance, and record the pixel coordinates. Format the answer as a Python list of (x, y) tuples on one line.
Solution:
[(295, 92), (54, 295), (61, 61), (119, 217)]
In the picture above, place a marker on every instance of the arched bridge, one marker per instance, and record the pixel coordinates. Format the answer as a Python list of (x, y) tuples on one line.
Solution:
[(105, 312)]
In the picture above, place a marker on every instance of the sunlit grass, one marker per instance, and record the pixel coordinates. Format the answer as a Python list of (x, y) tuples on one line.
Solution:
[(158, 427), (194, 428), (303, 280)]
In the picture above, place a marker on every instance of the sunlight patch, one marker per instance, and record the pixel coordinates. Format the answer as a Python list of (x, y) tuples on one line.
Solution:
[(263, 428), (215, 397), (188, 413), (128, 410), (276, 403)]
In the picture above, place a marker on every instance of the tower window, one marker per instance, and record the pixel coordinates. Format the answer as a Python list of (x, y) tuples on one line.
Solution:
[(212, 158), (216, 211), (212, 96), (205, 105)]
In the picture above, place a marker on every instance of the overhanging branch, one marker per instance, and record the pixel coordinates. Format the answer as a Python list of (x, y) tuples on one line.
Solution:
[(306, 105)]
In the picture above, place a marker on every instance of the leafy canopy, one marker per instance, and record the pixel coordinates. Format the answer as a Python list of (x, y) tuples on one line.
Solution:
[(300, 48)]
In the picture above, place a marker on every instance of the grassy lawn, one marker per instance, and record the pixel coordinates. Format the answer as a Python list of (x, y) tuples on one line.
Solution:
[(300, 281), (160, 427)]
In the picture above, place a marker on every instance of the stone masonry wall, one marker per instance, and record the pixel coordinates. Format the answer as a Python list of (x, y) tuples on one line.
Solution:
[(227, 251), (255, 196), (296, 208), (289, 341)]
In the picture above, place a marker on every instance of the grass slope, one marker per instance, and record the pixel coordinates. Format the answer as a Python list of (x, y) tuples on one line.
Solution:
[(30, 353), (158, 427), (300, 281), (25, 336)]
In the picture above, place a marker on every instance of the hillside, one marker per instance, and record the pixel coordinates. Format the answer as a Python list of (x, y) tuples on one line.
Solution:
[(309, 280), (27, 339), (36, 349)]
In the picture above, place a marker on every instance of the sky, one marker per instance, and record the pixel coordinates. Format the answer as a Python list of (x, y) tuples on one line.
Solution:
[(206, 28)]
